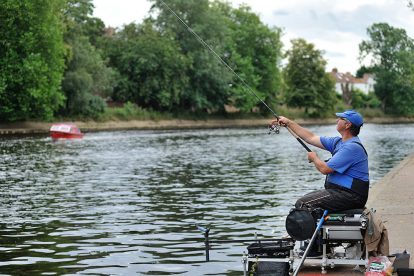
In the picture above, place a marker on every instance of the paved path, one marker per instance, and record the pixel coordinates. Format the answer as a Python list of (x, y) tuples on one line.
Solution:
[(393, 198)]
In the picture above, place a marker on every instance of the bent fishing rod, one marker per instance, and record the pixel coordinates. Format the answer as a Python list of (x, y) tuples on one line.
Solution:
[(248, 88)]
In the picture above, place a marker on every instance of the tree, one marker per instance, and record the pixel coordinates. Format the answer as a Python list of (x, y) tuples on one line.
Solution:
[(209, 80), (347, 92), (308, 85), (31, 59), (79, 21), (152, 67), (254, 50), (361, 100), (363, 70), (391, 53), (238, 37), (87, 78)]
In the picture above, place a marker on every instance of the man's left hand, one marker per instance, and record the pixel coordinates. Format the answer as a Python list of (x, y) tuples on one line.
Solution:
[(312, 156)]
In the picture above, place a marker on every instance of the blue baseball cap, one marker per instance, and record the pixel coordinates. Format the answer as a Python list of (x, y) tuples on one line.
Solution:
[(351, 115)]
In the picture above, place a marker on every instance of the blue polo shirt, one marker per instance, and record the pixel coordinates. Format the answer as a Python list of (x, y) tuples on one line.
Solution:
[(349, 161)]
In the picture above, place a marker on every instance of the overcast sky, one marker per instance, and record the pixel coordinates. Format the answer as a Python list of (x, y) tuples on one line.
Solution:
[(334, 26)]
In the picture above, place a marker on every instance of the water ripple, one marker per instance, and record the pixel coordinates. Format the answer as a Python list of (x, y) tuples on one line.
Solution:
[(127, 202)]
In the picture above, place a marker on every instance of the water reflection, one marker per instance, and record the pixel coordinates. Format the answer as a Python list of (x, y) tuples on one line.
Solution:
[(126, 202)]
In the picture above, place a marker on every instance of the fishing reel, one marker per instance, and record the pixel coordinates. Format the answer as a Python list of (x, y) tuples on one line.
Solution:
[(274, 129)]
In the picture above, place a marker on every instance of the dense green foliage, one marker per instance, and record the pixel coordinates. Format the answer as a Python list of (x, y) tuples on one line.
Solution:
[(31, 59), (152, 68), (56, 59), (209, 81), (308, 84), (363, 70), (87, 79), (255, 51), (392, 59), (360, 100)]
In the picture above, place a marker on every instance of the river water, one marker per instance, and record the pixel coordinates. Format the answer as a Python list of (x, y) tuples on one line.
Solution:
[(127, 202)]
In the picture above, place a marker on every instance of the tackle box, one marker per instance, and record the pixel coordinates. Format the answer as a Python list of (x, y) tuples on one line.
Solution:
[(279, 248)]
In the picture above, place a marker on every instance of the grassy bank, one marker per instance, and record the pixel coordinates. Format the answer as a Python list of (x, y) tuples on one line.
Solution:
[(132, 112), (131, 117)]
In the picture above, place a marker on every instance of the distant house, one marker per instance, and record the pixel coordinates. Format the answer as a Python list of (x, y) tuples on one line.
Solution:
[(348, 81)]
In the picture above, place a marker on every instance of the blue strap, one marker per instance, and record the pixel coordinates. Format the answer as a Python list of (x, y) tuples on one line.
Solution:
[(337, 141)]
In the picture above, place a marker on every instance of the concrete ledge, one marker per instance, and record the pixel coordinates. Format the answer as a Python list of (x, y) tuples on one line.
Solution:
[(393, 198)]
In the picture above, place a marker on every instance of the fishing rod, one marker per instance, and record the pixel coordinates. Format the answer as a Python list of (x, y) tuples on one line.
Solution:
[(206, 45)]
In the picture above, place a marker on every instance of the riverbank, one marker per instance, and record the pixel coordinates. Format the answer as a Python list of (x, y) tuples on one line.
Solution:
[(393, 198), (91, 126)]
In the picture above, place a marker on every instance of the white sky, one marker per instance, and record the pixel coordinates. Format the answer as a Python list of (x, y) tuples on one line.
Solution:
[(334, 26)]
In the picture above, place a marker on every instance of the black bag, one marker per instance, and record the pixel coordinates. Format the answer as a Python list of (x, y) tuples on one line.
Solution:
[(402, 260), (300, 224)]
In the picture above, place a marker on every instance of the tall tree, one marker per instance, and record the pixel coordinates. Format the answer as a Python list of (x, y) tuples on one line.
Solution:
[(87, 78), (254, 50), (208, 80), (79, 21), (391, 52), (152, 67), (308, 84), (31, 58), (238, 37)]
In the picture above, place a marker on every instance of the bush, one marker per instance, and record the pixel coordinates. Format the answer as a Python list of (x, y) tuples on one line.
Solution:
[(362, 100), (131, 111), (372, 113), (96, 106)]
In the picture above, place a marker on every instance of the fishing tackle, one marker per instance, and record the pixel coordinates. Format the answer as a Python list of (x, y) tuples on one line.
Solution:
[(274, 129)]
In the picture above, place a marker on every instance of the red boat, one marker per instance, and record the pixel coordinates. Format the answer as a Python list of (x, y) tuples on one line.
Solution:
[(65, 131)]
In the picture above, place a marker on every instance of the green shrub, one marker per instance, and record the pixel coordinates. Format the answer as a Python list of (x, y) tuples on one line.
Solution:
[(362, 100), (130, 111), (96, 106)]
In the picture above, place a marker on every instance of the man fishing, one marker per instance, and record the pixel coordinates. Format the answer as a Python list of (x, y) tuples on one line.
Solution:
[(347, 181)]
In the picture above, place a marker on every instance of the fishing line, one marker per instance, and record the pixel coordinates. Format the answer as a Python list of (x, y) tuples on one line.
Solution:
[(206, 45), (219, 58)]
